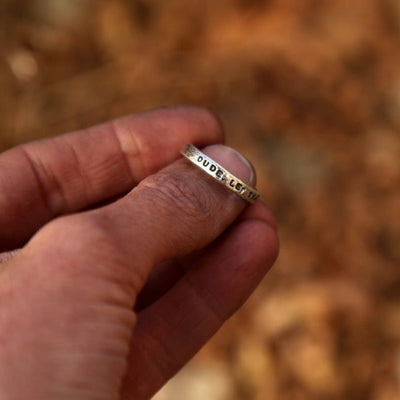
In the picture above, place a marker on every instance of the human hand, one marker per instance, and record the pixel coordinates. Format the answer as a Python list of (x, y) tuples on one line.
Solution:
[(130, 260)]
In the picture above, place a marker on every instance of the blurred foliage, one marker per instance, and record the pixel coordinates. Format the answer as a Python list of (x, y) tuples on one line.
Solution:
[(309, 90)]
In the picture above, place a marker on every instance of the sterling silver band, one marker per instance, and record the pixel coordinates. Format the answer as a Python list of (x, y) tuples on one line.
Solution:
[(219, 173)]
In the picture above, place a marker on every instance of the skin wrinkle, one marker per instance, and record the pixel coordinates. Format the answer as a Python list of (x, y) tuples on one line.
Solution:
[(137, 154), (174, 192), (86, 184), (56, 198), (163, 194), (43, 192), (200, 299), (145, 351)]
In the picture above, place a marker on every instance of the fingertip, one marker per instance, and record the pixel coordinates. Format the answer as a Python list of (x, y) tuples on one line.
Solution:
[(259, 211), (266, 242), (194, 119), (205, 117), (259, 242), (233, 161)]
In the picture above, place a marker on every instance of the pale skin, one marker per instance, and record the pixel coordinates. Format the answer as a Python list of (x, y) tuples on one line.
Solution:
[(129, 261)]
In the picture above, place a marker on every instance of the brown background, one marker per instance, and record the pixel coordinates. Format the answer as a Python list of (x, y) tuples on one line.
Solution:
[(307, 89)]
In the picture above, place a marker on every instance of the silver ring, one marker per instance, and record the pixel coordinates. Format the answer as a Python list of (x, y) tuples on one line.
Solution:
[(219, 173)]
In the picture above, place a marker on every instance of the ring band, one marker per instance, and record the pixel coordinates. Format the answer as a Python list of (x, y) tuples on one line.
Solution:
[(219, 173)]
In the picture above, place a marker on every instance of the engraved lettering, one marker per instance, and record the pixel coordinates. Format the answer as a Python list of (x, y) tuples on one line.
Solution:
[(232, 183), (253, 196), (219, 173), (238, 187), (200, 159), (206, 163), (213, 168)]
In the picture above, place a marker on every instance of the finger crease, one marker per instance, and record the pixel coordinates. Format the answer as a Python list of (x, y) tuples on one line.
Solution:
[(213, 310), (124, 155), (157, 344), (82, 177), (44, 193)]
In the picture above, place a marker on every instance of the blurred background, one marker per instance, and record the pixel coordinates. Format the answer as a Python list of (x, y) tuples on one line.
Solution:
[(309, 90)]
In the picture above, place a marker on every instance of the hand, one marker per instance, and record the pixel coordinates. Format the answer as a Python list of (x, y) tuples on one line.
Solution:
[(131, 257)]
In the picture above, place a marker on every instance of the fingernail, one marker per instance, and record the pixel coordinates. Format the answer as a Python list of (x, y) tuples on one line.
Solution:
[(233, 161)]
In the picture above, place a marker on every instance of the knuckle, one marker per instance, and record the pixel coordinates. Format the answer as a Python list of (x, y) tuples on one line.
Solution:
[(175, 191)]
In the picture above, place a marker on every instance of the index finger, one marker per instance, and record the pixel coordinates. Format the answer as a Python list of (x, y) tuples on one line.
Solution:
[(44, 179)]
